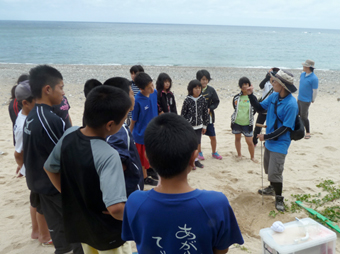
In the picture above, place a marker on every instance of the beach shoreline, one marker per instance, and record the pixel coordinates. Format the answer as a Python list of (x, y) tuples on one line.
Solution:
[(307, 162)]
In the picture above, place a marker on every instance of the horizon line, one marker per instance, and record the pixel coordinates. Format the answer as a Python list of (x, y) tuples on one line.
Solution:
[(148, 23)]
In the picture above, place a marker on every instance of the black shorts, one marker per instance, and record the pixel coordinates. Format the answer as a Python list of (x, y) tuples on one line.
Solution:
[(199, 135), (210, 130), (35, 201)]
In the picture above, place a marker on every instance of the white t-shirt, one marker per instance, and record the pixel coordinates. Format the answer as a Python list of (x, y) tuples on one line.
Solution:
[(266, 88), (18, 135)]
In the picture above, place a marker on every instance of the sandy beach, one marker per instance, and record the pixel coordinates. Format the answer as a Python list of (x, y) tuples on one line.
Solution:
[(308, 161)]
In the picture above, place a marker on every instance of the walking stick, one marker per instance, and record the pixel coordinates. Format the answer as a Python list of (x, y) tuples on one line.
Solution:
[(261, 126)]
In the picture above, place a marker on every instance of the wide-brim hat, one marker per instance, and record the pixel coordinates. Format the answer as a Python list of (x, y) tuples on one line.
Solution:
[(285, 79), (309, 63)]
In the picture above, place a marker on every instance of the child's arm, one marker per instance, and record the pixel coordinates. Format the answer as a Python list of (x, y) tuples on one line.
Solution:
[(233, 102), (55, 179), (132, 125), (216, 251), (117, 211), (184, 109), (205, 115), (19, 158), (215, 101), (266, 79), (135, 114)]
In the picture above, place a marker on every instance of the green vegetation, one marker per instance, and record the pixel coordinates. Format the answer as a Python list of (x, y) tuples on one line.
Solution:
[(241, 247), (322, 203)]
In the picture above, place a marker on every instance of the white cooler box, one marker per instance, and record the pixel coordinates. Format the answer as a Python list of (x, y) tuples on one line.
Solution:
[(299, 237)]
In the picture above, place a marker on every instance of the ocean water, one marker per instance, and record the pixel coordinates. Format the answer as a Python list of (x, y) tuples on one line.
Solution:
[(165, 44)]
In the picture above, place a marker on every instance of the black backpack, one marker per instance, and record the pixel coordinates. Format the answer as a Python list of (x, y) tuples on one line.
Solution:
[(299, 130)]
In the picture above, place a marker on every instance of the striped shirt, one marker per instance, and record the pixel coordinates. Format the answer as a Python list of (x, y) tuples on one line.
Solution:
[(135, 88), (42, 130)]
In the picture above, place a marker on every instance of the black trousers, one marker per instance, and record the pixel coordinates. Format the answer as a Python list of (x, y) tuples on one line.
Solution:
[(52, 210), (261, 118)]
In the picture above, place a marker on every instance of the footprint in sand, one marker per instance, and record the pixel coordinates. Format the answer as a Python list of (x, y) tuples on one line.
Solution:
[(331, 148), (234, 180), (250, 172)]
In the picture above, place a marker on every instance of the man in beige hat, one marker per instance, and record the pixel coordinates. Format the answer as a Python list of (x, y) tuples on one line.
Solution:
[(282, 110), (308, 88)]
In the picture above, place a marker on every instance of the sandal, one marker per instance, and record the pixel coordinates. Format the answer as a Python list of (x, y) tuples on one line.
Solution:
[(48, 243), (308, 136)]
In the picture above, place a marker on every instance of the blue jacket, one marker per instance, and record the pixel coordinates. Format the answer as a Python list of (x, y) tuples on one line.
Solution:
[(124, 143)]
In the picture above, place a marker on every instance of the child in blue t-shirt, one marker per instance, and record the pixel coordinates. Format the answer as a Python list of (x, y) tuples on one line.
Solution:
[(144, 110), (242, 119), (183, 218)]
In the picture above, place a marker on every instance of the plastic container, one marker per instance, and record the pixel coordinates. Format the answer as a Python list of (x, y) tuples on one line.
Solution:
[(305, 236)]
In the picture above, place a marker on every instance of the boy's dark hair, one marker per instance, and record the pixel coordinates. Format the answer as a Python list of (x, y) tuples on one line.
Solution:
[(41, 76), (104, 104), (89, 85), (142, 80), (136, 68), (203, 73), (192, 84), (160, 81), (243, 80), (119, 82), (22, 78), (140, 68), (13, 92), (169, 142)]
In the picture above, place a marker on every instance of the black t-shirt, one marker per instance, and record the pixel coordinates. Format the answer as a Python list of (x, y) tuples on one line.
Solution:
[(92, 179), (42, 130)]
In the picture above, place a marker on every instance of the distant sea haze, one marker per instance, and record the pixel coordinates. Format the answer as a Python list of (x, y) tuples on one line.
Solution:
[(166, 45)]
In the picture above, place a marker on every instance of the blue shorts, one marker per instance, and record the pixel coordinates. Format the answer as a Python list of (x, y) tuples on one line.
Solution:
[(210, 130), (245, 130)]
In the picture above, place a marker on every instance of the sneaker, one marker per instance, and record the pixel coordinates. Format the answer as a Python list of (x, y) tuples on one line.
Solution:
[(216, 156), (269, 191), (150, 181), (200, 156), (198, 164), (279, 204), (152, 173)]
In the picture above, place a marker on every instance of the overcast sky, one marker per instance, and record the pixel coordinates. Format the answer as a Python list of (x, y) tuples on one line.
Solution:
[(285, 13)]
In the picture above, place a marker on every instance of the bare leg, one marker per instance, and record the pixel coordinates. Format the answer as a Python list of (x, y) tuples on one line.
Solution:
[(199, 148), (35, 228), (213, 143), (238, 144), (44, 234), (144, 172), (251, 147)]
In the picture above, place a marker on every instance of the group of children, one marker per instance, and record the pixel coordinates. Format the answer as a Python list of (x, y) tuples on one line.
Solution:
[(87, 182), (80, 177)]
